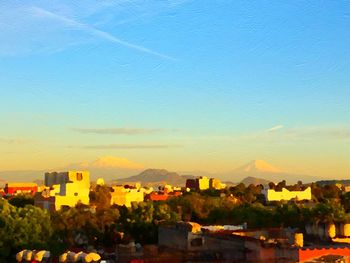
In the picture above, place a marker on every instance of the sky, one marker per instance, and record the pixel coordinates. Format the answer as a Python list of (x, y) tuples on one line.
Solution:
[(183, 85)]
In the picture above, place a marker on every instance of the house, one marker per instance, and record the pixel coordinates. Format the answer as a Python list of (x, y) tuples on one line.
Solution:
[(286, 195), (64, 189), (162, 196), (125, 195), (313, 254), (201, 183), (216, 184), (337, 232), (231, 243), (19, 188)]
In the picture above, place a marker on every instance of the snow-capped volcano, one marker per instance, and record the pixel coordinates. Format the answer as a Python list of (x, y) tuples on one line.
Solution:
[(258, 166), (260, 169)]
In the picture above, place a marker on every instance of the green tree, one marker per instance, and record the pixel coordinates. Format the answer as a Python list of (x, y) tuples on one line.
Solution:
[(26, 227), (101, 197), (21, 200)]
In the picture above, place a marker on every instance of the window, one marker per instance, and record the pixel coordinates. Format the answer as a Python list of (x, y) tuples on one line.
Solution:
[(197, 242), (79, 176)]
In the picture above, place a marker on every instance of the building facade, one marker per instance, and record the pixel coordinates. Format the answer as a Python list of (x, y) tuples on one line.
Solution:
[(20, 188), (286, 195), (64, 189)]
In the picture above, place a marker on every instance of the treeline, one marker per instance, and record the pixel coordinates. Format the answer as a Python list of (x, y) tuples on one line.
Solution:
[(23, 226)]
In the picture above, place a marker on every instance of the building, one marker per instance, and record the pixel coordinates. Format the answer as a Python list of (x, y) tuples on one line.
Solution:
[(216, 184), (184, 236), (286, 195), (64, 189), (201, 183), (20, 188), (125, 195), (164, 193), (337, 232), (162, 196), (231, 243), (337, 254)]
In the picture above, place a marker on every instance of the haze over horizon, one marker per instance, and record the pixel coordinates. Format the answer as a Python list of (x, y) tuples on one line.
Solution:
[(114, 169), (179, 85)]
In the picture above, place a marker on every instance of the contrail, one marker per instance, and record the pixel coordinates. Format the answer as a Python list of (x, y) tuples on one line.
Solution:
[(99, 33)]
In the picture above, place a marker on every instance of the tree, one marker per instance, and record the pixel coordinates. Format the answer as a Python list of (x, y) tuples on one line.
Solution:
[(21, 200), (331, 191), (101, 197), (288, 215), (280, 185), (82, 226), (345, 201), (26, 227)]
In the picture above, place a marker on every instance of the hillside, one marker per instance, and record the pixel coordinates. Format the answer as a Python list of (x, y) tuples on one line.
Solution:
[(153, 177), (254, 180)]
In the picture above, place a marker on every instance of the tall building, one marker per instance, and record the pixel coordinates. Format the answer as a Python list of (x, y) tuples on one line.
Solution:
[(201, 183), (64, 189)]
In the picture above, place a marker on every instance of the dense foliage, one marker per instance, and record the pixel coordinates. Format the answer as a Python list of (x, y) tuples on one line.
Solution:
[(100, 225), (23, 227)]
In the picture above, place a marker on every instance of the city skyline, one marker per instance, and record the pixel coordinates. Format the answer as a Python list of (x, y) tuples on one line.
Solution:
[(179, 85)]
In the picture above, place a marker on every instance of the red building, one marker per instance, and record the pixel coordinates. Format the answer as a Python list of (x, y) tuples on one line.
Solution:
[(17, 188), (159, 196), (306, 254)]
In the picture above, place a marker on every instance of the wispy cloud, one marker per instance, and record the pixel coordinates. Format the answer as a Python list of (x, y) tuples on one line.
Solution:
[(275, 128), (282, 134), (126, 146), (32, 27), (304, 133), (125, 131), (96, 32)]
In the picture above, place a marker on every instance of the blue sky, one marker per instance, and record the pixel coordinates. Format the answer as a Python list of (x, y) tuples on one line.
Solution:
[(176, 84)]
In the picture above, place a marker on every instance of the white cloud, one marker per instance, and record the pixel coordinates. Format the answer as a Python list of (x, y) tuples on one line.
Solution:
[(275, 128)]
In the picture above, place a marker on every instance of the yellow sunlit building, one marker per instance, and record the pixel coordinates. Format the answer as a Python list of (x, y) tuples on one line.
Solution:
[(125, 196), (285, 194), (204, 183), (64, 189), (216, 184)]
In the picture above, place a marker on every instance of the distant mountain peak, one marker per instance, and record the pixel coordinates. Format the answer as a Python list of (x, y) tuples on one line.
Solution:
[(258, 166), (254, 180), (156, 177), (155, 172)]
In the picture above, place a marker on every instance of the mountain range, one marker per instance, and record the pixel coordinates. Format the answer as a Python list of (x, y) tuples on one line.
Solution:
[(156, 177), (254, 172), (257, 170)]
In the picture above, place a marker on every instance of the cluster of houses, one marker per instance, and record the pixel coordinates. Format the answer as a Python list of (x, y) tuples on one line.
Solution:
[(189, 241), (72, 187), (237, 243)]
